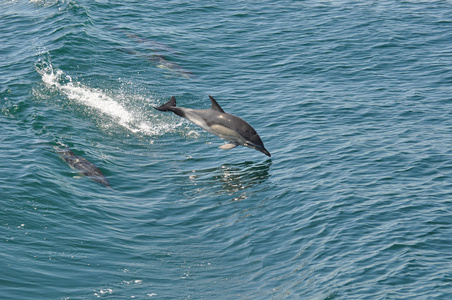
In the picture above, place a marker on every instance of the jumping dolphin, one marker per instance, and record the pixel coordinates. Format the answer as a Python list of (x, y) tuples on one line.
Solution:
[(226, 126), (82, 165)]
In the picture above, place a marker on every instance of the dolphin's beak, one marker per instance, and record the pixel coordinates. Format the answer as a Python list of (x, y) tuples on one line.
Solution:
[(258, 148), (263, 150)]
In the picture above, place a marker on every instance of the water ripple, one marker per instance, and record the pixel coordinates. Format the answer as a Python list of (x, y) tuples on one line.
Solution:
[(352, 99)]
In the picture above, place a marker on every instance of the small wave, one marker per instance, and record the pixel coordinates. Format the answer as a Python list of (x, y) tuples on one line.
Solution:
[(100, 102)]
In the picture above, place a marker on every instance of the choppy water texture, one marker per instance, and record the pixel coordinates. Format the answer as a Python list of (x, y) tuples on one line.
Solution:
[(352, 98)]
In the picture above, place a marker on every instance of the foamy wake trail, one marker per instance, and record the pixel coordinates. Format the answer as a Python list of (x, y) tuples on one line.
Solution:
[(100, 101)]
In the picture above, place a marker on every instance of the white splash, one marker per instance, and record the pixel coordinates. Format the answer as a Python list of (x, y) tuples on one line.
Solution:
[(101, 102), (89, 97)]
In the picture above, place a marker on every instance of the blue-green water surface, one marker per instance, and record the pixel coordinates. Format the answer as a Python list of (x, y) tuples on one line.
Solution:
[(352, 98)]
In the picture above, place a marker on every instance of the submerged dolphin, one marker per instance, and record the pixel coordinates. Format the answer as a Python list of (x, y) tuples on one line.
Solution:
[(159, 61), (226, 126), (82, 165), (154, 45)]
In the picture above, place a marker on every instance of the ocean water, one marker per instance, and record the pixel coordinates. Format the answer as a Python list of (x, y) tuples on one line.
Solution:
[(352, 98)]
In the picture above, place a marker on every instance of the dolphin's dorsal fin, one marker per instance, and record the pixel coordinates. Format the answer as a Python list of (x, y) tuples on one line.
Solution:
[(215, 105)]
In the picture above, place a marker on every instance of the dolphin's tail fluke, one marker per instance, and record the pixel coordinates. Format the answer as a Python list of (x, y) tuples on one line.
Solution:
[(168, 106)]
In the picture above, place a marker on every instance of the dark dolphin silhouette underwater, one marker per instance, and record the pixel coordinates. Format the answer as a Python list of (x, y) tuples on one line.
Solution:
[(154, 53), (83, 166), (226, 126), (159, 61)]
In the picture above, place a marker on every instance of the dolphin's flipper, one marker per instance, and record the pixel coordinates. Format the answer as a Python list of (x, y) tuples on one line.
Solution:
[(215, 105), (228, 146), (168, 106)]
